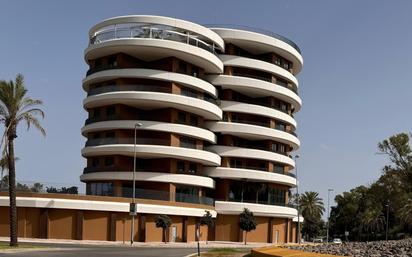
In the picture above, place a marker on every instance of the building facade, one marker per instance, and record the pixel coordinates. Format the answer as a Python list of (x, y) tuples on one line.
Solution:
[(208, 111)]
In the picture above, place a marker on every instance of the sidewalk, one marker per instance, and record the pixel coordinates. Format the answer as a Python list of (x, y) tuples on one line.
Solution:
[(210, 244)]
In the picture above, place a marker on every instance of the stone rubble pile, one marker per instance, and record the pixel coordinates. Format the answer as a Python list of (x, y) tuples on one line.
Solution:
[(393, 248)]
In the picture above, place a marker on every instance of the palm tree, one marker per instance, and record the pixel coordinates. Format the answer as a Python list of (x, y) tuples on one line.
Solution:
[(16, 106), (372, 220), (4, 164), (311, 206), (405, 213)]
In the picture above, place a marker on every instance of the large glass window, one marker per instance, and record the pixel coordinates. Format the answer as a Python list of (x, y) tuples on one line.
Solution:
[(103, 189), (277, 196)]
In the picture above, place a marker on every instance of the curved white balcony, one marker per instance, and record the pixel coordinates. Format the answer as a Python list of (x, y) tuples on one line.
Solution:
[(258, 43), (265, 210), (250, 175), (132, 21), (151, 49), (156, 100), (256, 88), (181, 129), (240, 152), (231, 106), (249, 63), (99, 205), (154, 151), (185, 80), (182, 179), (253, 132)]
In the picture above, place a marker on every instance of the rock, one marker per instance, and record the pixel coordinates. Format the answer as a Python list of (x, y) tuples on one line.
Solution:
[(393, 248)]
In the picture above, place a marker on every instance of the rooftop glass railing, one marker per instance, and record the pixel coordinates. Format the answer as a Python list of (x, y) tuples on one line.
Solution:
[(139, 30)]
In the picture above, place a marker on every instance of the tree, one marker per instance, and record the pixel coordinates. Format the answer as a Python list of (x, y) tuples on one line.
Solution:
[(16, 106), (247, 222), (4, 166), (207, 220), (372, 220), (163, 221), (405, 212), (311, 207)]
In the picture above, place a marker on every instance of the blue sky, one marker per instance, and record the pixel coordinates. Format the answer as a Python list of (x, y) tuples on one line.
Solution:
[(355, 85)]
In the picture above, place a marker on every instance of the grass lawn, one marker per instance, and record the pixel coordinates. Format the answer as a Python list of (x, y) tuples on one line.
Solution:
[(5, 245), (227, 252)]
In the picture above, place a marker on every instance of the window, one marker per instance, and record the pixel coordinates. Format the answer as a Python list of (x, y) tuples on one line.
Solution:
[(97, 62), (109, 161), (182, 67), (283, 106), (110, 134), (192, 167), (96, 113), (277, 196), (193, 120), (277, 61), (188, 142), (280, 126), (279, 169), (112, 61), (195, 72), (189, 92), (110, 111), (235, 163), (180, 166), (104, 189), (95, 162), (181, 117), (275, 147)]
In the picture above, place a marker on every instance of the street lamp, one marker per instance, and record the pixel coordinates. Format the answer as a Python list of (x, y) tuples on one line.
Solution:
[(133, 204), (327, 229), (297, 196), (387, 219)]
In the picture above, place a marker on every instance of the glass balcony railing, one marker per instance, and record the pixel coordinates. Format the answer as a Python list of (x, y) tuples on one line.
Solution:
[(257, 201), (261, 168), (267, 79), (139, 141), (258, 123), (127, 140), (139, 30), (148, 88), (104, 189)]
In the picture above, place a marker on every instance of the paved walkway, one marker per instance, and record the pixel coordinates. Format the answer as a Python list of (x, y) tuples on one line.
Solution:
[(211, 244)]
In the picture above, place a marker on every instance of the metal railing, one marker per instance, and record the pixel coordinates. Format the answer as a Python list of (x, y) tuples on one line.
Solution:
[(138, 30)]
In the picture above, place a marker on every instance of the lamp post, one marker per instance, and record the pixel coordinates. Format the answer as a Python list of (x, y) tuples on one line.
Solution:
[(327, 228), (297, 196), (133, 204), (387, 220)]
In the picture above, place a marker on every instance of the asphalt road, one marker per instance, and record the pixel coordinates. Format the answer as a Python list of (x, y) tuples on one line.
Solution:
[(103, 251)]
